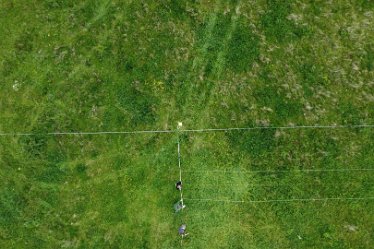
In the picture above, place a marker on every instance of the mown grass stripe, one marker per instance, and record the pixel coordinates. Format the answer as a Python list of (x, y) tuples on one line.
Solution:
[(218, 67)]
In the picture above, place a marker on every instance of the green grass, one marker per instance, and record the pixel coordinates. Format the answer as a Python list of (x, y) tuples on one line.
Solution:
[(135, 65)]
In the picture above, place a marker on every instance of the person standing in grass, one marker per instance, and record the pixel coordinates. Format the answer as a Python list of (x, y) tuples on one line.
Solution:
[(179, 206), (178, 185), (182, 230)]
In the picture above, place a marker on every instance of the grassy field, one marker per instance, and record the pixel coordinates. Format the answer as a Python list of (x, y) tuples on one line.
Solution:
[(127, 65)]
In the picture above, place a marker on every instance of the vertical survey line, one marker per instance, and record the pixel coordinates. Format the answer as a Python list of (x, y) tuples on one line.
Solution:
[(180, 173), (180, 168)]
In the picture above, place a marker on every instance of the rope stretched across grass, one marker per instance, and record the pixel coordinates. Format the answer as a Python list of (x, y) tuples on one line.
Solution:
[(284, 200), (179, 183), (277, 171), (190, 130)]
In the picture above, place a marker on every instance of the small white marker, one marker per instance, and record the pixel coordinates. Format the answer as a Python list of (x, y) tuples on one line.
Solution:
[(180, 124)]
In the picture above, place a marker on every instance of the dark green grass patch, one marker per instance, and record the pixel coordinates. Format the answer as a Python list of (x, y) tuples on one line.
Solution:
[(255, 143), (138, 103), (310, 73), (368, 58), (12, 204), (277, 27), (243, 48), (272, 96), (350, 115)]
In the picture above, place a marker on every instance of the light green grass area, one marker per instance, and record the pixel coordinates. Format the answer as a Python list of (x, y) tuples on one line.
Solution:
[(113, 65)]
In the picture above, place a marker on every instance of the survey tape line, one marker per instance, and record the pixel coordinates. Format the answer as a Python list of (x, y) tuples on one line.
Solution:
[(189, 130), (276, 171), (281, 127), (179, 162), (86, 133), (281, 200), (180, 170)]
